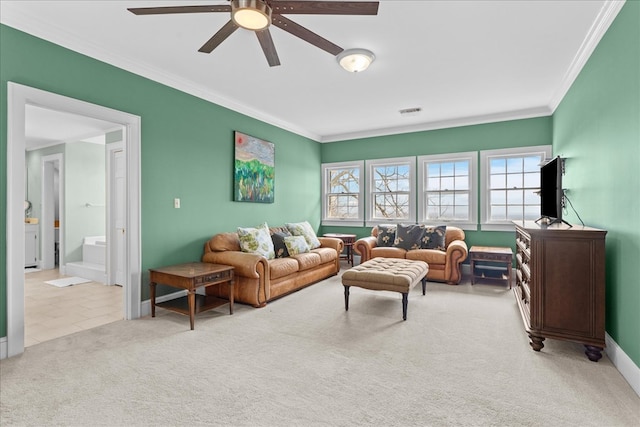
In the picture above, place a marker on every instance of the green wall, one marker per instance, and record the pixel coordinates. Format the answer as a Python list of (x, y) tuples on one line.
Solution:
[(187, 152), (514, 133), (597, 128)]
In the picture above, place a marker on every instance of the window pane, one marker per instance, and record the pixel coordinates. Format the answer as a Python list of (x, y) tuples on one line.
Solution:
[(532, 163), (498, 181), (531, 212), (514, 181), (515, 213), (447, 183), (515, 197), (498, 166), (433, 184), (433, 170), (532, 180), (462, 182), (531, 198), (498, 197), (447, 169), (514, 165), (498, 213)]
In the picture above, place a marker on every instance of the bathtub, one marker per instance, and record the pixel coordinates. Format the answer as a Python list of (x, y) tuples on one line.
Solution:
[(94, 260), (94, 250)]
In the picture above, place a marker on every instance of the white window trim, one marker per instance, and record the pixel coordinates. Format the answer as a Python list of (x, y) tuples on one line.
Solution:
[(351, 222), (472, 157), (370, 164), (485, 157)]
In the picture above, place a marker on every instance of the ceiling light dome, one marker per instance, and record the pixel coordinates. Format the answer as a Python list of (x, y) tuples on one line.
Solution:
[(355, 60), (251, 14)]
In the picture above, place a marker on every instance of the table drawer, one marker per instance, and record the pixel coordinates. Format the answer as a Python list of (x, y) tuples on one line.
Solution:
[(213, 277)]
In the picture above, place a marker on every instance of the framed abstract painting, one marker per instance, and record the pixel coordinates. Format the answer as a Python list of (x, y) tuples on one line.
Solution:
[(254, 169)]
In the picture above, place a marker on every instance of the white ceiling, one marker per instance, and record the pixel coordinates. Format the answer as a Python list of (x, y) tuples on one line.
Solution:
[(462, 62), (45, 127)]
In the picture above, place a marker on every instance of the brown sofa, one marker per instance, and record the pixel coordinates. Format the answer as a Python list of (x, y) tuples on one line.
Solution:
[(444, 266), (258, 280)]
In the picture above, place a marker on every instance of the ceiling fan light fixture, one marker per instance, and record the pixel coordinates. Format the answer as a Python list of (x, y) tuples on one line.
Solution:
[(355, 60), (251, 14)]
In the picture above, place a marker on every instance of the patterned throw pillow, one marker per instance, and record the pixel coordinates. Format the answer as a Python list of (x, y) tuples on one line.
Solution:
[(296, 245), (304, 229), (278, 243), (256, 241), (434, 238), (386, 235), (408, 236)]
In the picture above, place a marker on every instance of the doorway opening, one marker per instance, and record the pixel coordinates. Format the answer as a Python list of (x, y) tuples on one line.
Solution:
[(19, 97)]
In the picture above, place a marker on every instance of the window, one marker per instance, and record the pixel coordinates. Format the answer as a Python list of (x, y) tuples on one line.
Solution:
[(510, 181), (448, 189), (343, 193), (391, 190)]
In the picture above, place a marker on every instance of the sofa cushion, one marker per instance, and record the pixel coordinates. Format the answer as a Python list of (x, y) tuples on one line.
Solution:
[(433, 238), (326, 254), (386, 235), (278, 243), (409, 236), (307, 260), (224, 242), (281, 267), (304, 229), (430, 256), (256, 241), (296, 245), (385, 252)]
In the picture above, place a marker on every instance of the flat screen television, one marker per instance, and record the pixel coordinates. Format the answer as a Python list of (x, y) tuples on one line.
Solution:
[(551, 194)]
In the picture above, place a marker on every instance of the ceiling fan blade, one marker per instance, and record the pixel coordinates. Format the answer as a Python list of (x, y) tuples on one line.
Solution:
[(269, 49), (218, 37), (305, 34), (325, 7), (178, 9)]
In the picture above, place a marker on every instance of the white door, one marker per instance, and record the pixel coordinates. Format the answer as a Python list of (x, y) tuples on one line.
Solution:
[(118, 214)]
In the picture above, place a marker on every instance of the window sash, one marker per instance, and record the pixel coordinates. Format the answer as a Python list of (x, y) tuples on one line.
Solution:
[(343, 200), (391, 192), (511, 181)]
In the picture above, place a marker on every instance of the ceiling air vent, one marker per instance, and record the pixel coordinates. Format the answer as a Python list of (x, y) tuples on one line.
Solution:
[(410, 111)]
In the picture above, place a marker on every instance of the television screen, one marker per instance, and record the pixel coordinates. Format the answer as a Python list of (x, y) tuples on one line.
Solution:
[(551, 189)]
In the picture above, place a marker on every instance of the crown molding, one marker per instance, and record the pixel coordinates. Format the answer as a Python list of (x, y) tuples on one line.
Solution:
[(603, 21), (443, 124)]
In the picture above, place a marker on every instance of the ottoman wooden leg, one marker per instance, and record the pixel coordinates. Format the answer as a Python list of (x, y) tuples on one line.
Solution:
[(405, 301), (424, 285), (346, 298)]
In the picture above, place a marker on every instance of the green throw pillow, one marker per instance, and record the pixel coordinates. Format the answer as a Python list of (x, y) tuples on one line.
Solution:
[(257, 241), (304, 229), (296, 245)]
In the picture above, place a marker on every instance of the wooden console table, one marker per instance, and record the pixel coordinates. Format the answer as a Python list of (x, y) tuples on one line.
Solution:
[(491, 263), (191, 276)]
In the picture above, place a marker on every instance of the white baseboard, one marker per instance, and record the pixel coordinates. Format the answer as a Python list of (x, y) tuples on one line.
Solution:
[(145, 306), (623, 363), (3, 348)]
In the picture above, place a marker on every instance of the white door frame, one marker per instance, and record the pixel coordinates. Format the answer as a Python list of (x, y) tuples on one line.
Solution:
[(18, 97)]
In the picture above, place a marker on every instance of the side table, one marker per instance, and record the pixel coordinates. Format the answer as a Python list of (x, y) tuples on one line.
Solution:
[(191, 276), (491, 263), (349, 240)]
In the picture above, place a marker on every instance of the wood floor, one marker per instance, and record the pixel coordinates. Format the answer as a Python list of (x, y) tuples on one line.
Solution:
[(52, 312)]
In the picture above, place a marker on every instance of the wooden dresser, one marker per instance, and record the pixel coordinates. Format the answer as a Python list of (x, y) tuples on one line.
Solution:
[(560, 284)]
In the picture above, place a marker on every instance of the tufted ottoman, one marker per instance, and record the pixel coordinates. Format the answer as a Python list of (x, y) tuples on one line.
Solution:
[(386, 274)]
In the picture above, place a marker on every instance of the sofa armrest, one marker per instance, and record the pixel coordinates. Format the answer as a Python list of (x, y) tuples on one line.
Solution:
[(364, 246), (456, 253), (245, 264), (332, 242)]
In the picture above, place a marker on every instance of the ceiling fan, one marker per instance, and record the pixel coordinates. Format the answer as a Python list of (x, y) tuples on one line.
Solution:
[(258, 15)]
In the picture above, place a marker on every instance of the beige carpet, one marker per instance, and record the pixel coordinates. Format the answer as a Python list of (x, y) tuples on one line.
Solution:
[(461, 358)]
